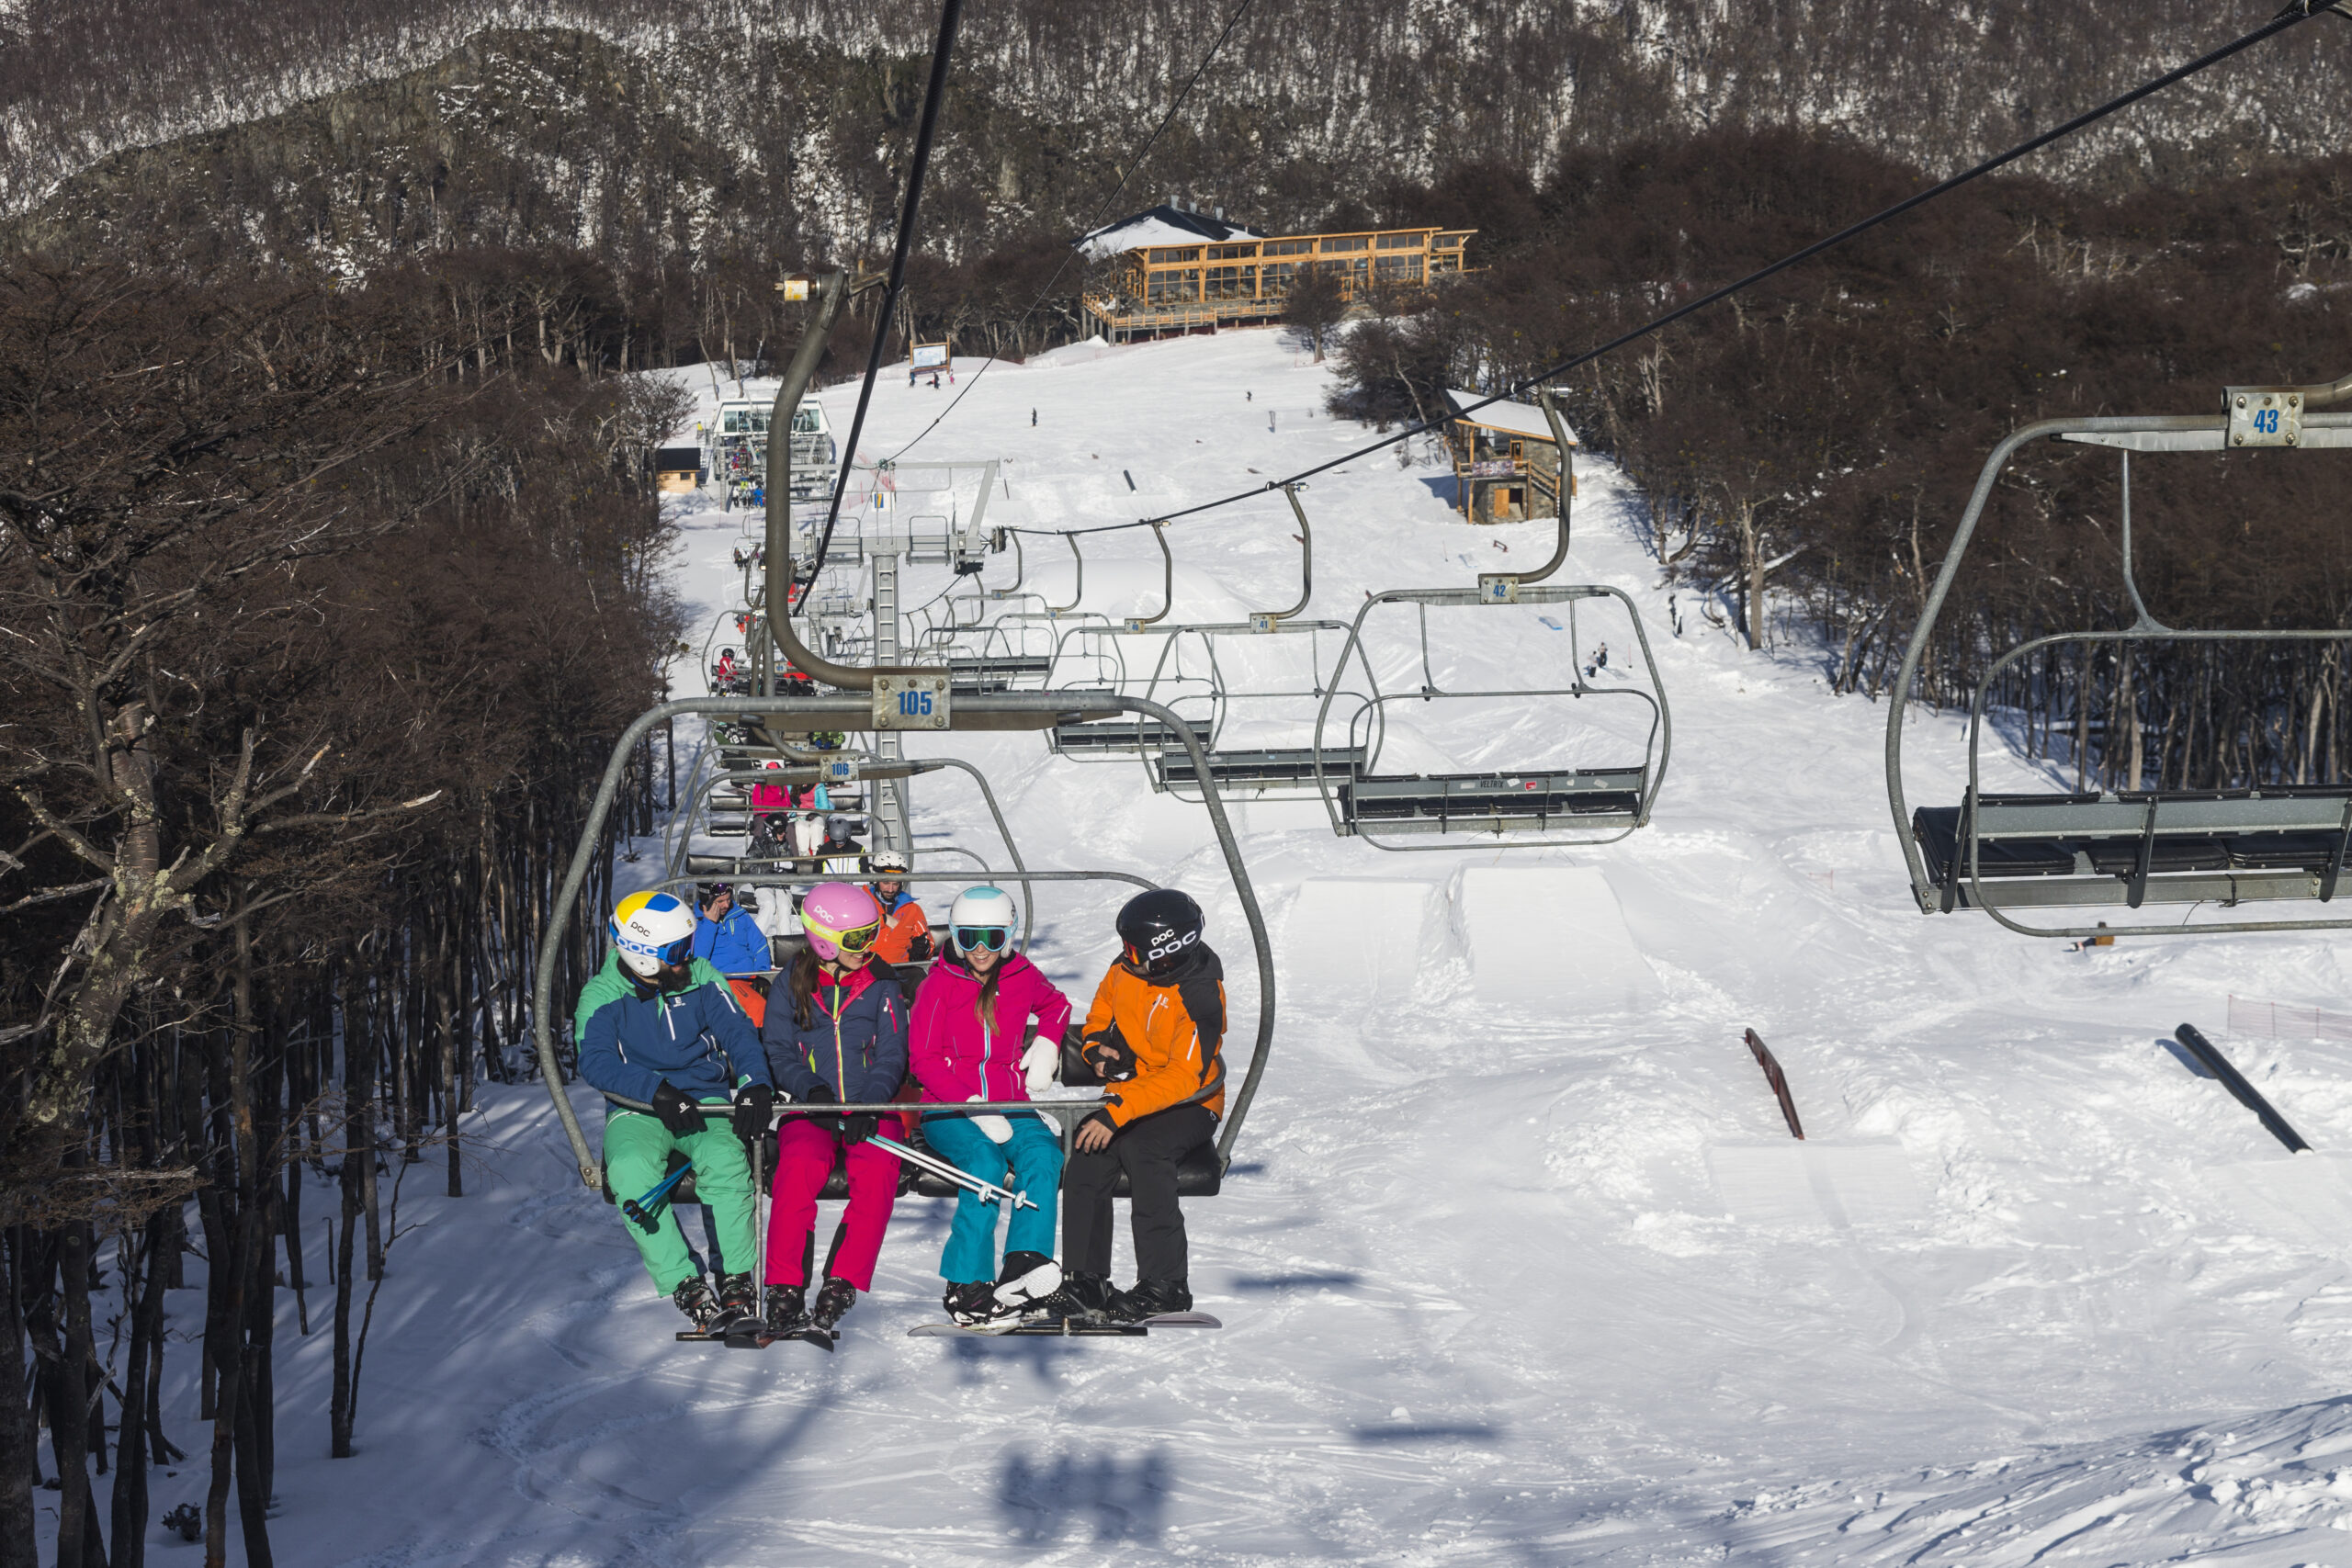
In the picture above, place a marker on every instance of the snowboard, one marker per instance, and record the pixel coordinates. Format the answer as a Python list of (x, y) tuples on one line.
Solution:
[(1070, 1329)]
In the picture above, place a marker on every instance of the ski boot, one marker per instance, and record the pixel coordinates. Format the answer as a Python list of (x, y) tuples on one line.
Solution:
[(1080, 1298), (971, 1304), (1149, 1298), (693, 1297), (788, 1313), (1028, 1277), (738, 1301), (833, 1299)]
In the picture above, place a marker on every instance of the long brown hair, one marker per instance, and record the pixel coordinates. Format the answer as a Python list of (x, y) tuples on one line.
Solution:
[(801, 984), (985, 1003)]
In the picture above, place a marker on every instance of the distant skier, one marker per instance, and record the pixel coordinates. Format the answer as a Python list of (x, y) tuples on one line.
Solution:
[(906, 931), (934, 380), (1154, 1036), (837, 1035), (1033, 419), (732, 941), (987, 1025), (667, 1039)]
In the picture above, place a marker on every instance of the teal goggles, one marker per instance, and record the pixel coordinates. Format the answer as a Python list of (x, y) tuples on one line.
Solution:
[(996, 939)]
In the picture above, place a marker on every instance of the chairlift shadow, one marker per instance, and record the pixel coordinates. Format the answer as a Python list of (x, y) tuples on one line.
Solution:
[(1109, 1498)]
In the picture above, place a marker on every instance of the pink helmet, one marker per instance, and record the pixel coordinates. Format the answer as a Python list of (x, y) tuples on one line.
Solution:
[(839, 916)]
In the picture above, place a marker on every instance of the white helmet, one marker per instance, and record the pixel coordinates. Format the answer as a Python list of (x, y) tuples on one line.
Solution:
[(982, 908), (651, 929), (888, 859)]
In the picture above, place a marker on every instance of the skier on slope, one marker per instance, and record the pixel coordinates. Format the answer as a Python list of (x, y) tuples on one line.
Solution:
[(974, 1039), (684, 1048), (836, 1035), (906, 931), (1154, 1036), (728, 936)]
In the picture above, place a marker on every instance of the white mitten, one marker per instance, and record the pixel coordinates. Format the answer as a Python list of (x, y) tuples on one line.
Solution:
[(1039, 1063), (997, 1128)]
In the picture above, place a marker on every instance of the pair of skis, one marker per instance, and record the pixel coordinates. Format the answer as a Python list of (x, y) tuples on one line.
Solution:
[(753, 1335)]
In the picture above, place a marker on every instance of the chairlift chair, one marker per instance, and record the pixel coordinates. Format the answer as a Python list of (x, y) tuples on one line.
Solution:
[(1532, 808), (2057, 850)]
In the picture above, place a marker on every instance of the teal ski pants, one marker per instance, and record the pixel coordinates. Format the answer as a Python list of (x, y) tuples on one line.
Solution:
[(1031, 1163), (637, 1156)]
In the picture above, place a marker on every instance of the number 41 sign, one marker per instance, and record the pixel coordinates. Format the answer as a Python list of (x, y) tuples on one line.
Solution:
[(911, 702)]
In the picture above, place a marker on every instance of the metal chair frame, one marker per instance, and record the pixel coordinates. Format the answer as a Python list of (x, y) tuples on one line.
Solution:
[(1541, 831), (2150, 815)]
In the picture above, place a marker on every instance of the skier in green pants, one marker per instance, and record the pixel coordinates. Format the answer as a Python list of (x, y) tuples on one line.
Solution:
[(684, 1047)]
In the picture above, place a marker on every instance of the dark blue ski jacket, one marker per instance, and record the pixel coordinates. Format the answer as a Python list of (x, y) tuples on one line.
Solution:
[(697, 1038), (854, 1041)]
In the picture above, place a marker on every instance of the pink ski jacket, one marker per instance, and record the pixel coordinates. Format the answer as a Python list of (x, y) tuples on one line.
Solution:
[(953, 1056)]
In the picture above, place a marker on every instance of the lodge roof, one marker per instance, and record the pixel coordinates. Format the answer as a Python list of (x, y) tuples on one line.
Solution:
[(1525, 420)]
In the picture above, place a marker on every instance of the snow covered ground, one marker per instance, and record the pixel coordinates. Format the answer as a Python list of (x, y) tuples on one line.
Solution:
[(1517, 1263)]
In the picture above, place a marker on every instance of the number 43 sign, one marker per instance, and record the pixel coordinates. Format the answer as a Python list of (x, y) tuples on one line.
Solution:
[(911, 702)]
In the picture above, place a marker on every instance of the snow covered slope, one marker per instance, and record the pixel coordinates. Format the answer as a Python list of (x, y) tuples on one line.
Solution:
[(1517, 1262)]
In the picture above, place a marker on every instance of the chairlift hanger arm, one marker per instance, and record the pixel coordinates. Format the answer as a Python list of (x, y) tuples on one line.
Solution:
[(1273, 618), (1166, 580), (833, 295)]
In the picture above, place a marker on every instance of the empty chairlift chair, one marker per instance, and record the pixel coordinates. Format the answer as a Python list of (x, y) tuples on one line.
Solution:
[(2096, 850), (1530, 807)]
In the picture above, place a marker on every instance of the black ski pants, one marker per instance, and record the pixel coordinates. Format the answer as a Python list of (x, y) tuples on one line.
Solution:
[(1147, 1149)]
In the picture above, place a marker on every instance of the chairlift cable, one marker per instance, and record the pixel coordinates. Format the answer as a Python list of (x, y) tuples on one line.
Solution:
[(1110, 205), (933, 95), (2298, 12)]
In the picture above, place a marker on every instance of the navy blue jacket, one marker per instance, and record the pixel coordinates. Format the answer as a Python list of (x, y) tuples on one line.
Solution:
[(860, 1054), (697, 1038)]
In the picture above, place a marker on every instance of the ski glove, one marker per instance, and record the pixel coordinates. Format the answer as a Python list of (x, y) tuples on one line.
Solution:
[(676, 1111), (821, 1095), (755, 1105), (995, 1128), (858, 1128), (1038, 1065), (1111, 1055)]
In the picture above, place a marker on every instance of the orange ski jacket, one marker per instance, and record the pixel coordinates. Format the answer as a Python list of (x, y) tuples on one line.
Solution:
[(1157, 1044)]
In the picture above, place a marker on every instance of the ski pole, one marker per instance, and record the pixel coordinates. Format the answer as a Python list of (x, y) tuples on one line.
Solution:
[(988, 1191), (641, 1210)]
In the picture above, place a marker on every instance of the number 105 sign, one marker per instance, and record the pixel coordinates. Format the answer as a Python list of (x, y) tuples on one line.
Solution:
[(911, 702)]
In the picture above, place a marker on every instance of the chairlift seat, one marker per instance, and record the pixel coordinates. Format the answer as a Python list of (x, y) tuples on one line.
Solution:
[(998, 672), (1105, 737), (2132, 847), (1258, 773), (1479, 803)]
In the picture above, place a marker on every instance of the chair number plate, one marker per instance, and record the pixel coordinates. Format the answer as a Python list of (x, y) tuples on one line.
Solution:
[(2264, 416), (911, 702)]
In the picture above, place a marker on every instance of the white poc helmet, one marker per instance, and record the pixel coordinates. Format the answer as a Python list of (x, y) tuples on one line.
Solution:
[(888, 859), (651, 929), (982, 908)]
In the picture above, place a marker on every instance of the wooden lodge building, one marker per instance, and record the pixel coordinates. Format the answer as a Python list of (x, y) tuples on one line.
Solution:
[(1184, 270), (1507, 464)]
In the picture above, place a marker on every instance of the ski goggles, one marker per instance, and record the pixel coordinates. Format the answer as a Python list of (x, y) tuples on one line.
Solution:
[(994, 938), (858, 941), (677, 952)]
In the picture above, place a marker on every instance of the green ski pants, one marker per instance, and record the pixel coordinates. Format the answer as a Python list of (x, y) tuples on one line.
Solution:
[(637, 1156)]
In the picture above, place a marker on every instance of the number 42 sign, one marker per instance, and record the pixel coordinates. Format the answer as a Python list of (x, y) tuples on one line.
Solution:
[(911, 702)]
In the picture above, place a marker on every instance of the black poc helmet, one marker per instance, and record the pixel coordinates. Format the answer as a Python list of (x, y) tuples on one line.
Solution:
[(1158, 930)]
